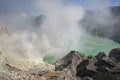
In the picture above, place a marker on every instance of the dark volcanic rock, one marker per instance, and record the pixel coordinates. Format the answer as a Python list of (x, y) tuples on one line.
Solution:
[(69, 63), (106, 62), (87, 78), (104, 76), (100, 55), (101, 67), (75, 66), (86, 68), (115, 54)]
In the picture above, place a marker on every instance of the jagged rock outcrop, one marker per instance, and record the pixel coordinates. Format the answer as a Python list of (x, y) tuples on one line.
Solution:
[(101, 67), (70, 61), (115, 54), (76, 66), (68, 64), (100, 55)]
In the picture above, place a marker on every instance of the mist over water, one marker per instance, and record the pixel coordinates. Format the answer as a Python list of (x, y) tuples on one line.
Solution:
[(58, 34), (90, 45)]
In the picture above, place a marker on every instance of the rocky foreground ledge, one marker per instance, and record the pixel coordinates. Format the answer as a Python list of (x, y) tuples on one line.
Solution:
[(76, 66)]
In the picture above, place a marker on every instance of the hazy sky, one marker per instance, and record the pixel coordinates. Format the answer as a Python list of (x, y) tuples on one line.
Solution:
[(28, 6)]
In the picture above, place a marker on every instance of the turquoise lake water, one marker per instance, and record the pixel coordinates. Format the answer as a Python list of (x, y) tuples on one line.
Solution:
[(91, 45)]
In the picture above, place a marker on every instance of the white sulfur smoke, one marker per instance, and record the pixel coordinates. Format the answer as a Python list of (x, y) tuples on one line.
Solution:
[(60, 31), (58, 34)]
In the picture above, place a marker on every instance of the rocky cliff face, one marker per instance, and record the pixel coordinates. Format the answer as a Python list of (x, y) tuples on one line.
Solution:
[(74, 66), (103, 23), (100, 67)]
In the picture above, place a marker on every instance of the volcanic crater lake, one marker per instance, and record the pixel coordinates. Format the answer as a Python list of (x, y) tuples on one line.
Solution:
[(90, 45)]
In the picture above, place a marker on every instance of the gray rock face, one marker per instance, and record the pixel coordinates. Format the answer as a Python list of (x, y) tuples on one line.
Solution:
[(100, 55), (101, 68), (115, 54), (87, 78), (103, 76), (70, 61), (68, 64), (75, 66)]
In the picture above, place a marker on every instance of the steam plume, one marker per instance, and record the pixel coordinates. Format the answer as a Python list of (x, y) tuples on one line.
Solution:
[(58, 34)]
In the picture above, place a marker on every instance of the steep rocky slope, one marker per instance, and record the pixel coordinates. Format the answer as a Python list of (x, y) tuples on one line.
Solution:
[(74, 66)]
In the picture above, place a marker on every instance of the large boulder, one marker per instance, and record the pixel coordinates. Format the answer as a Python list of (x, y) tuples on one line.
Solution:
[(86, 68), (100, 55), (115, 54), (69, 63)]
